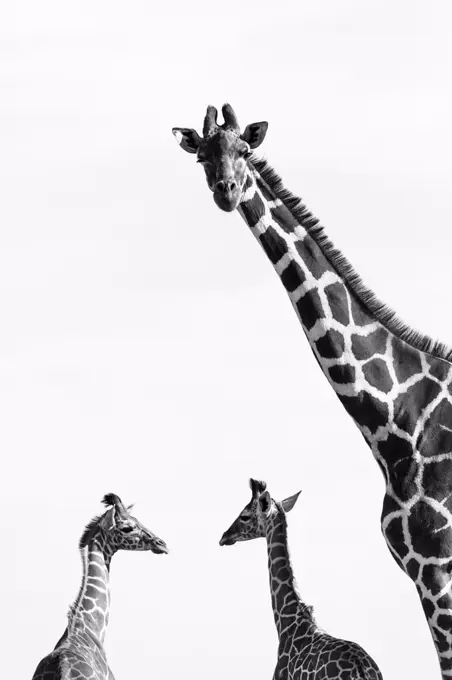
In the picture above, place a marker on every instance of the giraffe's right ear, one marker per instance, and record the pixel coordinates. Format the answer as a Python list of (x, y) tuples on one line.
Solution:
[(187, 138)]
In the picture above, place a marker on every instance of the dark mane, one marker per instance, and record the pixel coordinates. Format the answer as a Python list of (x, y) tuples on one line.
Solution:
[(89, 532), (382, 313), (108, 500), (307, 609)]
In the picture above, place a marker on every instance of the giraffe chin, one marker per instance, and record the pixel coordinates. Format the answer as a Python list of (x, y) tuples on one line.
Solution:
[(226, 540), (226, 203)]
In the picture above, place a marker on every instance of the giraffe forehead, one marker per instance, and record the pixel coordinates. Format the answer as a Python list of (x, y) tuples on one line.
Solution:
[(221, 143), (250, 508)]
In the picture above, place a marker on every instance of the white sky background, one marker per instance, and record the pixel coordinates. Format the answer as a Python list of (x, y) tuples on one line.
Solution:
[(147, 347)]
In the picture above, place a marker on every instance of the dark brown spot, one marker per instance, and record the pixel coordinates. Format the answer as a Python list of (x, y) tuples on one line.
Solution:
[(331, 345), (274, 245), (310, 308), (366, 410), (337, 300), (377, 374), (406, 360), (365, 346), (312, 256), (292, 276), (253, 210), (409, 405), (361, 316), (342, 374)]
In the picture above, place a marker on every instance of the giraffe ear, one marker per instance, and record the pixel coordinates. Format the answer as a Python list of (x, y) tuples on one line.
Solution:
[(288, 503), (187, 138), (108, 521), (255, 133), (265, 502)]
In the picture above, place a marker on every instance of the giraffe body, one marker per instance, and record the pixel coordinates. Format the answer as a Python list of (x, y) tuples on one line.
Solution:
[(394, 382), (80, 654), (79, 658), (305, 652)]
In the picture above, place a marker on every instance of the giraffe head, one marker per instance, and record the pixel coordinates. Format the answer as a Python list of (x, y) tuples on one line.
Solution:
[(117, 529), (252, 521), (223, 152)]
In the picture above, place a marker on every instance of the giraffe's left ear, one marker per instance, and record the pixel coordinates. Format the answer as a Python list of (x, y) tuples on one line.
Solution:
[(265, 502), (255, 133), (288, 503), (188, 139)]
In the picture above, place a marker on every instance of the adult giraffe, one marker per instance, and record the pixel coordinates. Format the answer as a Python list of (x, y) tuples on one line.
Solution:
[(394, 382)]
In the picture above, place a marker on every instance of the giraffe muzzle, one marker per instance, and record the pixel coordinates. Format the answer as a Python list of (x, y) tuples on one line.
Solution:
[(159, 547), (226, 195), (226, 540)]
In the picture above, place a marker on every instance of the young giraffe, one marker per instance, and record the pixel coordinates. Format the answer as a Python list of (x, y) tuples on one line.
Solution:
[(80, 653), (394, 382), (305, 652)]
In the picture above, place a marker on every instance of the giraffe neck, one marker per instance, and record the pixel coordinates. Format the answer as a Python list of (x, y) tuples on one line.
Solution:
[(287, 604), (369, 357), (90, 612)]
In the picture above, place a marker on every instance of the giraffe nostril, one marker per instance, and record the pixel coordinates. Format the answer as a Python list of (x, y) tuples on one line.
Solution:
[(225, 186)]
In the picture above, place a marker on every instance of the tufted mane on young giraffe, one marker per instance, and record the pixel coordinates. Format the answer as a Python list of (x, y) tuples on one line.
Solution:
[(305, 651), (79, 654), (395, 382)]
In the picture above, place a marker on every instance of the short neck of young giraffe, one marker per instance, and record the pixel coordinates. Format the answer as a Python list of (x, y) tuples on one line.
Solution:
[(288, 607), (90, 612)]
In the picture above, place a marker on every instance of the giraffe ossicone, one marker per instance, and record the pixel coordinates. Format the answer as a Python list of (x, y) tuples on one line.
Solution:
[(305, 651), (79, 654), (395, 382)]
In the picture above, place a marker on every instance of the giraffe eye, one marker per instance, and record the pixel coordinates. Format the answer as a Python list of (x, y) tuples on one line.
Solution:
[(244, 151), (127, 530), (205, 162), (245, 518)]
